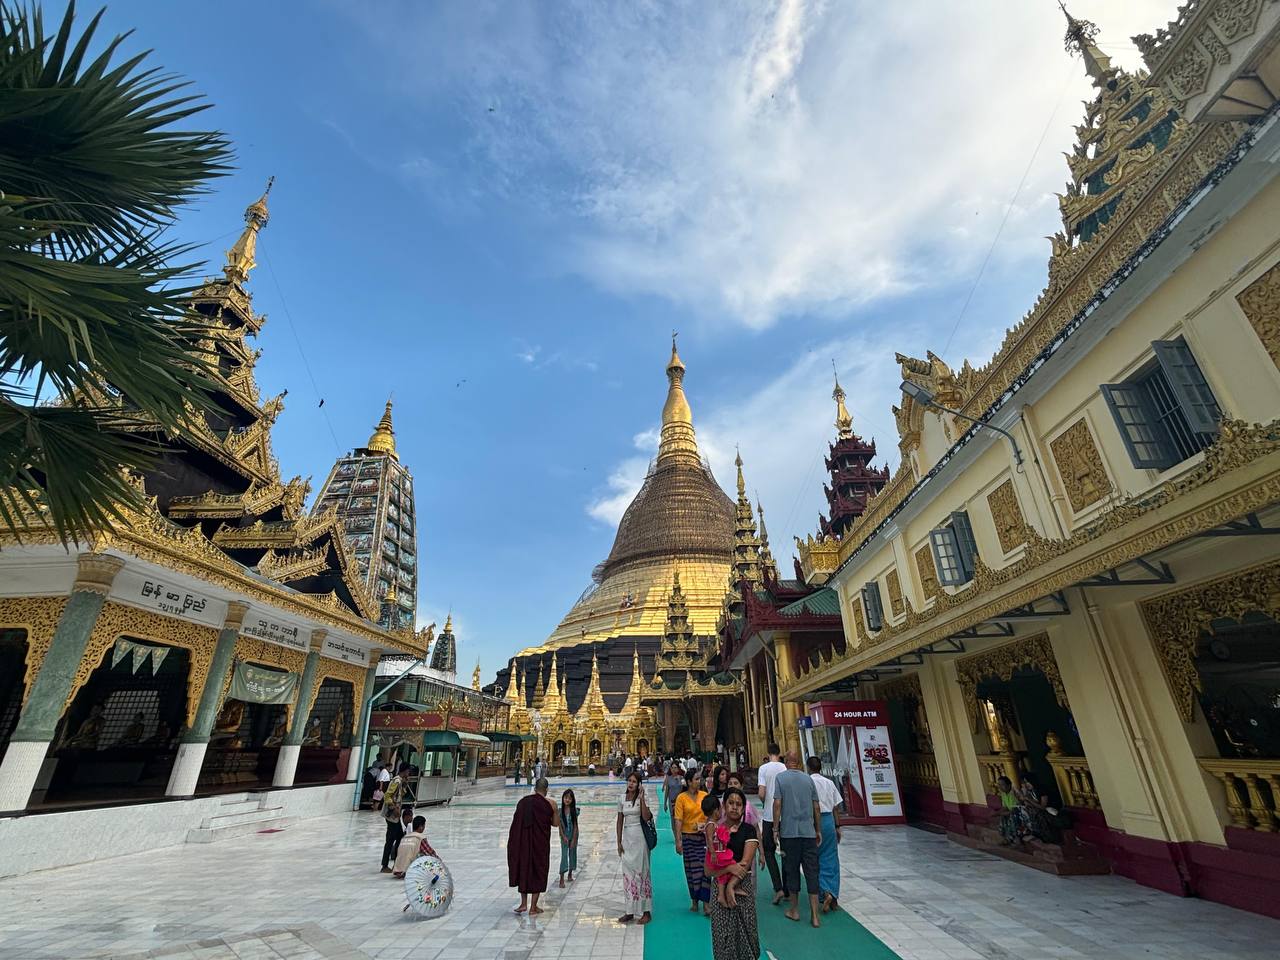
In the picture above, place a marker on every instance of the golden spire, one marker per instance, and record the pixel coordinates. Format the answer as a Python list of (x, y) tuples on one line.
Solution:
[(678, 440), (1080, 39), (240, 258), (475, 677), (766, 555), (844, 422), (383, 439), (742, 484), (448, 623)]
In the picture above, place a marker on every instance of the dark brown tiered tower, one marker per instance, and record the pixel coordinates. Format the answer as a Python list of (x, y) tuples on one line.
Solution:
[(853, 482)]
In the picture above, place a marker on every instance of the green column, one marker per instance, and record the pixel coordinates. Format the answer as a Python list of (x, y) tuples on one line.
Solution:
[(53, 681), (360, 739), (219, 667), (303, 711)]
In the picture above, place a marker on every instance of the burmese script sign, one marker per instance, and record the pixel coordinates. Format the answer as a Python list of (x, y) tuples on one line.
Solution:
[(341, 650), (259, 685), (283, 634), (167, 597), (465, 724)]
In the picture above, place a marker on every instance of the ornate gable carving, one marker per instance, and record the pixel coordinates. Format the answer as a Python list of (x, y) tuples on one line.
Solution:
[(1260, 302)]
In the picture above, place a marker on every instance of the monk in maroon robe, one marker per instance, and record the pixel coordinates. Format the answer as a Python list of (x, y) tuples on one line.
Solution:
[(529, 846)]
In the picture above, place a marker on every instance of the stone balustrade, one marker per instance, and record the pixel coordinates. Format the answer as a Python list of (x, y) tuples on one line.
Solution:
[(997, 765), (1075, 781), (1252, 789), (920, 769)]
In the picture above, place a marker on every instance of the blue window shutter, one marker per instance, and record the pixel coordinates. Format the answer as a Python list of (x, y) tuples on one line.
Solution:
[(1188, 384), (946, 557), (967, 546), (871, 605), (1144, 436)]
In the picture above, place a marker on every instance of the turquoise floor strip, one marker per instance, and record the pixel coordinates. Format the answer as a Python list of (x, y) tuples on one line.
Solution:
[(677, 932)]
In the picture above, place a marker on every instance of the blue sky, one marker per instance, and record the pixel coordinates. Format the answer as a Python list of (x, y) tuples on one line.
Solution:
[(498, 212)]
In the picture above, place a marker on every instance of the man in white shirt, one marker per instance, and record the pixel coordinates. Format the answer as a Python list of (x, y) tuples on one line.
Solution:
[(829, 850), (769, 845)]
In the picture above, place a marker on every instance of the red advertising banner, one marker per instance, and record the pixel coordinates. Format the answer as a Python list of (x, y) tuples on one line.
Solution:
[(849, 713)]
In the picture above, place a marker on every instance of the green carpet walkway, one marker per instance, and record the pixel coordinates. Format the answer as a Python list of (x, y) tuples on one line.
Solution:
[(676, 932)]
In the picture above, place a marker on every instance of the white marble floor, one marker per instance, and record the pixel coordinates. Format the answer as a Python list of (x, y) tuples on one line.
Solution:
[(313, 892)]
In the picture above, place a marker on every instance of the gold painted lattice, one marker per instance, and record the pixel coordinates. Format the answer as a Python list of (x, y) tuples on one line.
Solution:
[(1177, 620), (1001, 663), (38, 616), (116, 620)]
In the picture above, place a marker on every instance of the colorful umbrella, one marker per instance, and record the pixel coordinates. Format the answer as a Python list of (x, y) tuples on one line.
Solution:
[(428, 886)]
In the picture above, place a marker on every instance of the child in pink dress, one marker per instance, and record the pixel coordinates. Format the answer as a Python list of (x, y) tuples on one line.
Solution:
[(718, 853)]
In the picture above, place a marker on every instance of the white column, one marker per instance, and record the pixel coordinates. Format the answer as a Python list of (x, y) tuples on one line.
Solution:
[(286, 765), (186, 769), (353, 764), (22, 762)]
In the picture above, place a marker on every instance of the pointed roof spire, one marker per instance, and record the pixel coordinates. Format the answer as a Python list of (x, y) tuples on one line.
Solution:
[(737, 461), (383, 438), (241, 257), (766, 555), (844, 422), (678, 439), (475, 677), (1080, 39)]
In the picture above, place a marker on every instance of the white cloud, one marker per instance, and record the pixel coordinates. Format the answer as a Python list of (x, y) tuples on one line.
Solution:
[(625, 480), (756, 162)]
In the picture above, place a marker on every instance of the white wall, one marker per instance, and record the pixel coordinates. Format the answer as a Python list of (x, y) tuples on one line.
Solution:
[(41, 841)]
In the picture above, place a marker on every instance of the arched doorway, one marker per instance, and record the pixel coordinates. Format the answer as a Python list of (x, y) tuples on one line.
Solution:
[(118, 738), (327, 734), (13, 655)]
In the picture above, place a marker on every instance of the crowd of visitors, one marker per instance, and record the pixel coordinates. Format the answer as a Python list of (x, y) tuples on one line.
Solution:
[(720, 836)]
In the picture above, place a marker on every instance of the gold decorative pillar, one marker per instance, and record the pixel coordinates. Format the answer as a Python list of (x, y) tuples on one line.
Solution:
[(790, 710)]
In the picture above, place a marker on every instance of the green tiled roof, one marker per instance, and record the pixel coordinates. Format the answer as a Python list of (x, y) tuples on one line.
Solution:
[(822, 602)]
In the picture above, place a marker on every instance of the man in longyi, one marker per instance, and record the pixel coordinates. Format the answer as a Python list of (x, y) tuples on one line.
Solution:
[(529, 846)]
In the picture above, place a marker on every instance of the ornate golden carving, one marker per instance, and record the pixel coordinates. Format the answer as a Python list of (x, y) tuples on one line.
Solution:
[(1177, 620), (1260, 302), (1006, 515), (95, 573), (928, 574), (38, 616), (341, 670), (905, 687), (293, 565), (818, 556), (894, 585), (1001, 663), (1080, 465), (116, 620)]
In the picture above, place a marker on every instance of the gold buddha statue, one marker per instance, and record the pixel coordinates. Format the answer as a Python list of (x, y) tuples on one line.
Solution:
[(86, 737), (311, 738), (226, 729), (134, 731), (278, 732)]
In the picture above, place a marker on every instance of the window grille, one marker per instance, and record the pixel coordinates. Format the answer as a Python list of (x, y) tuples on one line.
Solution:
[(871, 605)]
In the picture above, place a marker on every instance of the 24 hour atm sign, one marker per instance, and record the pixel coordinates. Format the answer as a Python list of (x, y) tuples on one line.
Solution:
[(849, 713)]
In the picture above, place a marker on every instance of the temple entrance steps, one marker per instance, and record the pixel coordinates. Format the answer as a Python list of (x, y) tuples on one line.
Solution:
[(1071, 858), (240, 814)]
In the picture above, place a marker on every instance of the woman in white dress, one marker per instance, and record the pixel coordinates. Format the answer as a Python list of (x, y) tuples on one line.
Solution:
[(637, 887)]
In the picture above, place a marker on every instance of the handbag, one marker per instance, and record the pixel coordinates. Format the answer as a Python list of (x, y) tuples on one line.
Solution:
[(650, 831)]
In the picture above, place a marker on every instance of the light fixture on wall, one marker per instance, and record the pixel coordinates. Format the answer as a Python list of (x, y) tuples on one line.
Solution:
[(923, 397)]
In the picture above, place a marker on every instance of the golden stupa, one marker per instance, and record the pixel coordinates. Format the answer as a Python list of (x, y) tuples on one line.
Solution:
[(680, 521)]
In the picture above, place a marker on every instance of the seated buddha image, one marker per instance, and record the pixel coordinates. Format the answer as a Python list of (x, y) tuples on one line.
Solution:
[(311, 738), (277, 735), (226, 729), (86, 737), (133, 733)]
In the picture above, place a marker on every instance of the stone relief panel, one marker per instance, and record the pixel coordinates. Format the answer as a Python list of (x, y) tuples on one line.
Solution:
[(1006, 515), (1080, 465), (1260, 302)]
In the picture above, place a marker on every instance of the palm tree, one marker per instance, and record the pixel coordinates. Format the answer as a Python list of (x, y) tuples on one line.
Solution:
[(94, 161)]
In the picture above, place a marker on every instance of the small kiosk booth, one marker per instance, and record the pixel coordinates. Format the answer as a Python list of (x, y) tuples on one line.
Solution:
[(439, 756), (851, 738)]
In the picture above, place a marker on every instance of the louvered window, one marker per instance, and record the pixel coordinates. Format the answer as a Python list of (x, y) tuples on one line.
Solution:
[(871, 605), (1166, 412), (954, 550)]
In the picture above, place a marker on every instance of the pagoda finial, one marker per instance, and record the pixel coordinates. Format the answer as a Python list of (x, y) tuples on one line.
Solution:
[(678, 439), (1080, 38), (737, 460), (844, 422), (475, 677), (383, 438), (241, 257), (766, 555)]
